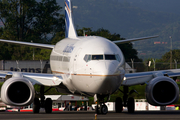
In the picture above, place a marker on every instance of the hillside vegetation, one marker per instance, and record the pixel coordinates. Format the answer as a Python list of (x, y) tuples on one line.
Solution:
[(131, 19)]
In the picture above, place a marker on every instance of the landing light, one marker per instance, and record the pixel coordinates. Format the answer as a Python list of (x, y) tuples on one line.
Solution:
[(124, 78), (55, 78)]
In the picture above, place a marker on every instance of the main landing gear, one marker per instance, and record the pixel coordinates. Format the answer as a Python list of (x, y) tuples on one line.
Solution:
[(42, 103), (128, 102), (101, 108)]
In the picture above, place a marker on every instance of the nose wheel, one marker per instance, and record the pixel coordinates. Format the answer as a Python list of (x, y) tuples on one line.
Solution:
[(103, 109)]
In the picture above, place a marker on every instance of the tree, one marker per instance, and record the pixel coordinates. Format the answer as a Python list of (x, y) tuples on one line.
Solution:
[(127, 48), (166, 59), (28, 20), (167, 55)]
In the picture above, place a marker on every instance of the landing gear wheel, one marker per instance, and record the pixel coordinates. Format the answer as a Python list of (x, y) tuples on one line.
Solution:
[(104, 109), (118, 105), (130, 105), (36, 105), (48, 105)]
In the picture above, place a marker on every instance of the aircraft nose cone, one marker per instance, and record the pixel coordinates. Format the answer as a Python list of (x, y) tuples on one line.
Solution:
[(105, 68), (106, 77), (110, 68)]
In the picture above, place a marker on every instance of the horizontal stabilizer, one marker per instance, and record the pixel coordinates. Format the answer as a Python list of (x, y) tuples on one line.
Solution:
[(38, 45), (134, 39)]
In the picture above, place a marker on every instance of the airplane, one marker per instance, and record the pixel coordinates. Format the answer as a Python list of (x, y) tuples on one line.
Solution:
[(87, 66)]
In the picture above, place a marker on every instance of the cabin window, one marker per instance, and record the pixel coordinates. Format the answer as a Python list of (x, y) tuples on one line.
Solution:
[(66, 59), (60, 58)]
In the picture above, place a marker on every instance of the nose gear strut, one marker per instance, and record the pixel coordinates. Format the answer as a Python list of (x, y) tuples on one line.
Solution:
[(101, 108)]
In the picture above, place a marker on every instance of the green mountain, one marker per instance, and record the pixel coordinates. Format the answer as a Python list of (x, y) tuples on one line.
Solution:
[(168, 6), (133, 18)]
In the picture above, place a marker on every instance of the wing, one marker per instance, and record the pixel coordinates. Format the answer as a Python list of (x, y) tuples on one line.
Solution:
[(18, 89), (34, 78), (134, 39), (39, 45), (144, 77)]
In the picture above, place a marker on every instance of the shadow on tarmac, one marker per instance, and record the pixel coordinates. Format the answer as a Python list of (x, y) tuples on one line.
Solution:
[(92, 112)]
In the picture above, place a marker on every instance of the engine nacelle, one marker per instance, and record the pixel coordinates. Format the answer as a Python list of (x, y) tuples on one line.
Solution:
[(17, 91), (162, 91)]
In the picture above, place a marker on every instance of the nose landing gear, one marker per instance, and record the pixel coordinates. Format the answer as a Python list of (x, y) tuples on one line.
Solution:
[(104, 109), (101, 108)]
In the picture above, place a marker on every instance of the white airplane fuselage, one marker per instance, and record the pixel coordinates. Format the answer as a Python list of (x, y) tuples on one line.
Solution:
[(90, 65)]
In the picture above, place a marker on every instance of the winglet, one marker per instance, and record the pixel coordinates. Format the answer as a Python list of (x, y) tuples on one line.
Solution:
[(70, 29)]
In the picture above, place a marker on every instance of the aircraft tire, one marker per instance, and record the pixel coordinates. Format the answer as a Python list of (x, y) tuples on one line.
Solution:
[(131, 105), (118, 105), (104, 109), (36, 105), (48, 105)]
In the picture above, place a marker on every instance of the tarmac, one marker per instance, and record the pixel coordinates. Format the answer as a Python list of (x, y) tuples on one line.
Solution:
[(83, 115)]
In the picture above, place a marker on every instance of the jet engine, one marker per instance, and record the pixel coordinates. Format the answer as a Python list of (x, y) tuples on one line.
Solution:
[(17, 91), (162, 91)]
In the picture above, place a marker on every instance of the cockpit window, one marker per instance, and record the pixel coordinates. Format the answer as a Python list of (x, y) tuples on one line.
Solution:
[(88, 58), (97, 57), (110, 57), (118, 58)]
